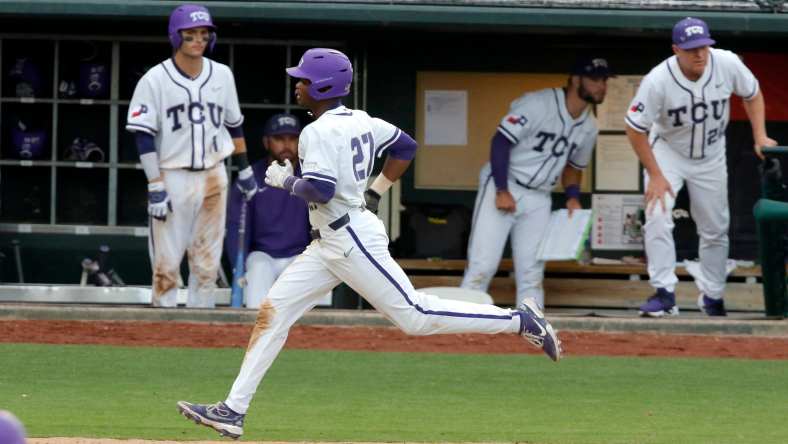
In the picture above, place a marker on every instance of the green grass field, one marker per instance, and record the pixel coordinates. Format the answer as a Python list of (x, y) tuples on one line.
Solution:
[(123, 392)]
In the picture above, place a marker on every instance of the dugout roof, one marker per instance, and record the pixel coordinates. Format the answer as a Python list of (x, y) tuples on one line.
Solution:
[(752, 16)]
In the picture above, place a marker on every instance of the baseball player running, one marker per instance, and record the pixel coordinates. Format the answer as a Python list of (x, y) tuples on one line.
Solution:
[(676, 125), (546, 136), (337, 153), (186, 119), (277, 222)]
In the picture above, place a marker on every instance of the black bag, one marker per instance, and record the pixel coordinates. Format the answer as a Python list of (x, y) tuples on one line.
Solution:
[(434, 231)]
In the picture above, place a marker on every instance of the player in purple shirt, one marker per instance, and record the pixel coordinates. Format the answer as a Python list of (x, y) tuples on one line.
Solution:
[(277, 222)]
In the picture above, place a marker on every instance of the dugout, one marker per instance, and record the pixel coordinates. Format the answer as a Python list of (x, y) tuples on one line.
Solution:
[(61, 208)]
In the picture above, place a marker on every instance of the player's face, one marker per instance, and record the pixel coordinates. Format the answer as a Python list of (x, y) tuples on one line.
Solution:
[(282, 146), (592, 89), (692, 61), (302, 93), (195, 41)]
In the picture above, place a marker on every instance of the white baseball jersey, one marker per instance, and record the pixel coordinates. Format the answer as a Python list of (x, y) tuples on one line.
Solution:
[(187, 116), (545, 138), (690, 117), (340, 147)]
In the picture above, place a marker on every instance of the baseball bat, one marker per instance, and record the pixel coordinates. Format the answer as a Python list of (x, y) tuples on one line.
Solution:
[(18, 258), (237, 294)]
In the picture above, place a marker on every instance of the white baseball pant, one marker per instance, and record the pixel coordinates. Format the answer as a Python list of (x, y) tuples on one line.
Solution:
[(707, 184), (358, 255), (195, 226), (490, 229)]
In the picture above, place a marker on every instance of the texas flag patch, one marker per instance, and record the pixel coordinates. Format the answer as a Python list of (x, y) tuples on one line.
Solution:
[(637, 107), (142, 109), (516, 119)]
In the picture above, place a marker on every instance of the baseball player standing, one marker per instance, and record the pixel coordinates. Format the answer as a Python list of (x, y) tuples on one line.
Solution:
[(337, 153), (277, 222), (187, 120), (546, 136), (676, 125)]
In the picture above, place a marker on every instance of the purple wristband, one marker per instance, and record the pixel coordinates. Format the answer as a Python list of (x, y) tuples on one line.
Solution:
[(572, 191)]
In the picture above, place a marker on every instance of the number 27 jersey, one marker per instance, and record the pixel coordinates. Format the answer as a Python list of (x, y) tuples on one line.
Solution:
[(340, 147)]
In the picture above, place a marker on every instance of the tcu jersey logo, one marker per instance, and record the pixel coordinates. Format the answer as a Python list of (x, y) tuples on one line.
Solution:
[(200, 16), (558, 147), (698, 112), (195, 113)]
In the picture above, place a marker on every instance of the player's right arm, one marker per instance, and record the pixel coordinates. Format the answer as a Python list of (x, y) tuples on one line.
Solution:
[(639, 118), (143, 120), (513, 127)]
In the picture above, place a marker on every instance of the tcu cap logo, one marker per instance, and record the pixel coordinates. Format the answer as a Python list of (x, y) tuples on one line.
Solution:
[(599, 63), (198, 16), (286, 121), (697, 29)]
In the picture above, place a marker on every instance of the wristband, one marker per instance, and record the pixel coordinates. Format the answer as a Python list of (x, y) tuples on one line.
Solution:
[(381, 184), (241, 160), (572, 191)]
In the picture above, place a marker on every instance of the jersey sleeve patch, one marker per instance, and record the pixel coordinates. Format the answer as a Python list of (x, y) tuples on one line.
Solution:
[(516, 119)]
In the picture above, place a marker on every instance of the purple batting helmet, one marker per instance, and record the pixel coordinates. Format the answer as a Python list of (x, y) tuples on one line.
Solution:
[(329, 70), (11, 429), (188, 17)]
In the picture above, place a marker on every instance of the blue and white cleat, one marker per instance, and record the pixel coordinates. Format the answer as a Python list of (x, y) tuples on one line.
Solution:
[(536, 330), (216, 416), (662, 303), (712, 307)]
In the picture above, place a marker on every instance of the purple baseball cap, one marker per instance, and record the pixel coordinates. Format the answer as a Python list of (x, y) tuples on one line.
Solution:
[(690, 33), (279, 124)]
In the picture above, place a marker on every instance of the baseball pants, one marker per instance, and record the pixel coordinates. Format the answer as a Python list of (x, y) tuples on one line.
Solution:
[(707, 184), (195, 227), (358, 255), (490, 229)]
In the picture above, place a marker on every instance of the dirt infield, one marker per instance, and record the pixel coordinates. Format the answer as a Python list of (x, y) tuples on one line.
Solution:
[(179, 334)]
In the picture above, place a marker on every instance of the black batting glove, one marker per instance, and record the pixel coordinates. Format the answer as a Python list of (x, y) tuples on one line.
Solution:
[(372, 199)]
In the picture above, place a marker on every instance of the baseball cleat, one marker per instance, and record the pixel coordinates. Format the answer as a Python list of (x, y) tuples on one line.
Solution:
[(712, 307), (216, 416), (536, 330), (662, 303)]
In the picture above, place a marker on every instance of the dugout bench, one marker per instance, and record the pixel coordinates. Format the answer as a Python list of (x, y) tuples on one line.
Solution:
[(571, 284)]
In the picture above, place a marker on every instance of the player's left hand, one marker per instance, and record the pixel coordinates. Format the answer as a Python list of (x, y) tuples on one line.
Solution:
[(276, 174), (572, 205), (763, 142)]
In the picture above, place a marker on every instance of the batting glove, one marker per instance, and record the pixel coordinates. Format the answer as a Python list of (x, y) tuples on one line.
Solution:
[(158, 201), (276, 174), (246, 183), (372, 199)]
